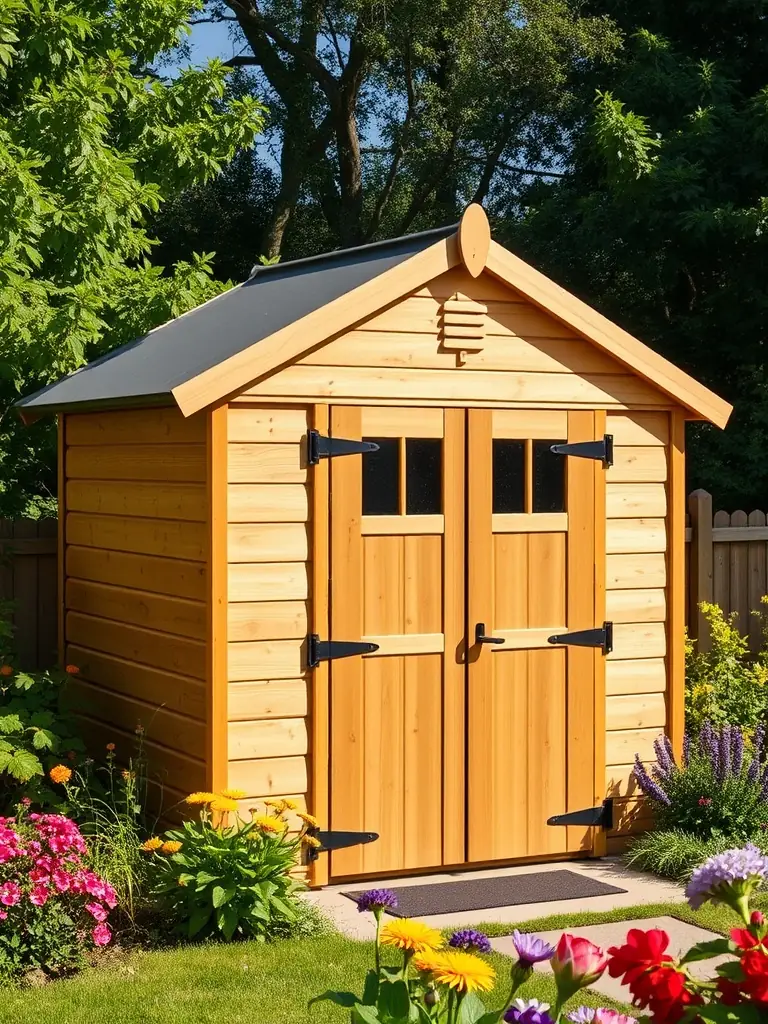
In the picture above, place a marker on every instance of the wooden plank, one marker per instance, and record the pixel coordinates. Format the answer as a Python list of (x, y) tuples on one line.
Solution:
[(146, 499), (184, 463), (529, 522), (756, 579), (701, 565), (373, 526), (267, 620), (254, 424), (267, 463), (506, 316), (277, 737), (61, 572), (134, 426), (166, 537), (638, 640), (265, 659), (179, 693), (25, 591), (627, 572), (734, 534), (23, 547), (268, 698), (599, 664), (621, 746), (635, 536), (677, 594), (526, 639), (269, 776), (144, 572), (216, 600), (268, 581), (556, 389), (267, 503), (176, 654), (456, 279), (639, 428), (635, 501), (620, 780), (636, 605), (631, 816), (267, 542), (647, 675), (739, 575), (637, 465), (406, 643), (534, 423), (721, 570), (318, 686), (402, 422), (636, 711), (174, 615)]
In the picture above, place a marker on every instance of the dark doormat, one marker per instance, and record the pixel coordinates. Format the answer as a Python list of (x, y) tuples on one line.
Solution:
[(485, 893)]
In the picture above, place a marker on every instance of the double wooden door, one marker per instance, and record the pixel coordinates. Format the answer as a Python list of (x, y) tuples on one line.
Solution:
[(458, 548)]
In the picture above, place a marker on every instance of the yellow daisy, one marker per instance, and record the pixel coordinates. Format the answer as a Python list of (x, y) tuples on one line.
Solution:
[(266, 823), (234, 794), (152, 844), (464, 972), (411, 936), (170, 846), (309, 819), (223, 804), (196, 799), (312, 841), (427, 962)]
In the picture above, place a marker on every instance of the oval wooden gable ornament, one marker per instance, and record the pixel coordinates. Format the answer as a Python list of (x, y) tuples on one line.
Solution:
[(474, 239)]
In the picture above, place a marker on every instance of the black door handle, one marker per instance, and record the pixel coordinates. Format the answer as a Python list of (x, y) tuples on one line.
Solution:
[(481, 638)]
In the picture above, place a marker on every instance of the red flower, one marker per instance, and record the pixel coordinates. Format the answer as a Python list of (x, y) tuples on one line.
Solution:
[(745, 939), (729, 992), (754, 964), (663, 991), (641, 951)]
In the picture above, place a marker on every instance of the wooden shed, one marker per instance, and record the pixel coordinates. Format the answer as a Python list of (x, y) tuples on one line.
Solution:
[(446, 634)]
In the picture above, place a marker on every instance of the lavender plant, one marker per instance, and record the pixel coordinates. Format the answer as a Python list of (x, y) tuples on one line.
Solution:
[(719, 788)]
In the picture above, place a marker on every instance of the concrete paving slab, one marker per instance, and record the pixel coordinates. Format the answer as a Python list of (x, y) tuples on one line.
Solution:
[(681, 935), (641, 888)]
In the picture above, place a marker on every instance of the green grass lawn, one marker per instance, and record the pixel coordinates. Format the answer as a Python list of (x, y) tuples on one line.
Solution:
[(248, 983)]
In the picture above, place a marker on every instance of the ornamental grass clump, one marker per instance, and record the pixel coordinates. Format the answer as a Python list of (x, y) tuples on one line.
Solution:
[(53, 908), (220, 876)]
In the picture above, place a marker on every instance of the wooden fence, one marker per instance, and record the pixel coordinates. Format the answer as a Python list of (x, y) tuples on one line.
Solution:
[(727, 563)]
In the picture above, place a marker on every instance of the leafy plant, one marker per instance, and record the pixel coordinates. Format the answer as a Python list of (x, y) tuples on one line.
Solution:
[(226, 880), (725, 684), (672, 853)]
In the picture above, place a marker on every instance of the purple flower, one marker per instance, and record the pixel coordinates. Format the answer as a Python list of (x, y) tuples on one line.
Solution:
[(376, 899), (648, 785), (470, 941), (531, 949), (582, 1015), (727, 877), (665, 758), (725, 754), (737, 750), (528, 1011), (686, 748)]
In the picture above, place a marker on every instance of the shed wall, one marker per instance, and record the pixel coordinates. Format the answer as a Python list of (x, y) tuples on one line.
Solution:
[(135, 538)]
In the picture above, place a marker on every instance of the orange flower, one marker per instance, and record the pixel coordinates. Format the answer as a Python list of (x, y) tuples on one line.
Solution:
[(110, 747), (72, 670), (170, 846), (60, 773), (152, 844), (128, 775), (6, 670)]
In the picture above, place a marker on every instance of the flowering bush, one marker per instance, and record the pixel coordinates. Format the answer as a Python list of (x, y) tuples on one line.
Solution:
[(216, 878), (435, 983), (52, 907)]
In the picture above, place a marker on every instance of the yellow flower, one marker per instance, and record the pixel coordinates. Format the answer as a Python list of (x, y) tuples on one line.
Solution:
[(428, 961), (266, 823), (312, 841), (196, 799), (464, 972), (60, 773), (411, 936), (309, 819), (282, 805), (234, 794), (152, 844), (170, 846), (223, 803)]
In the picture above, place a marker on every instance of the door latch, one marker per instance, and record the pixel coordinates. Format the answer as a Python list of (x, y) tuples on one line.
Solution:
[(481, 638)]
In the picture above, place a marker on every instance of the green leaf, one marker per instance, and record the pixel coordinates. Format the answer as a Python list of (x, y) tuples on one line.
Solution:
[(471, 1009), (744, 1013), (371, 988), (220, 896), (23, 766), (203, 878), (364, 1014), (705, 950), (10, 724), (43, 739), (228, 921), (347, 999), (198, 920), (394, 1000)]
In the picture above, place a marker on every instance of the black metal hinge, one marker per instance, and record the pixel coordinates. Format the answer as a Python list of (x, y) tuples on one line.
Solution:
[(321, 447), (602, 637), (598, 817), (602, 451), (339, 841), (326, 650)]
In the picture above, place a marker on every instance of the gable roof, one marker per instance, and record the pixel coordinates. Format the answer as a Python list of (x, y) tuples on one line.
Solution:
[(283, 311), (147, 370)]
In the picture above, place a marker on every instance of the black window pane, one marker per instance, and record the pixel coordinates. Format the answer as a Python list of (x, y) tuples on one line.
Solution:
[(548, 478), (508, 475), (381, 478), (423, 476)]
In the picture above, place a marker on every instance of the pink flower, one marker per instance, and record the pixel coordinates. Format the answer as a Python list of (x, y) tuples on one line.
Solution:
[(101, 934), (10, 894), (3, 915), (62, 880), (606, 1016), (577, 963), (39, 895), (97, 912)]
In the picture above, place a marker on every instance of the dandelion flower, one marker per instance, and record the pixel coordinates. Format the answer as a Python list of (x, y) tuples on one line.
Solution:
[(234, 794), (309, 819), (427, 962), (60, 773), (311, 841), (266, 823), (128, 775), (170, 846), (464, 972), (197, 799), (152, 844), (410, 936), (223, 804), (282, 805)]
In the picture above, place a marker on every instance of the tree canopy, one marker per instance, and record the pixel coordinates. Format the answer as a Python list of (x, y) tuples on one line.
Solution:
[(92, 141)]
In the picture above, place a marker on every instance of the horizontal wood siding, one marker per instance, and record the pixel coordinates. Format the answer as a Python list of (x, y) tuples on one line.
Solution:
[(637, 602), (134, 594), (268, 612)]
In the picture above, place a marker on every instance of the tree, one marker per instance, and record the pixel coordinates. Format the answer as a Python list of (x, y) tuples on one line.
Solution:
[(660, 219), (387, 118), (91, 143)]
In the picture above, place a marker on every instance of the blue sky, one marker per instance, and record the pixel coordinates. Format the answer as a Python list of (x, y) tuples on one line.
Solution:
[(209, 41)]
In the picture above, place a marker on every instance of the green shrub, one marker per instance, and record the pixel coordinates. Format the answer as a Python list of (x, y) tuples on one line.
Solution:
[(216, 879), (725, 684)]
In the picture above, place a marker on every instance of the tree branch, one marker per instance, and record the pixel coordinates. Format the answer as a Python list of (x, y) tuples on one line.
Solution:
[(334, 39), (213, 20)]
